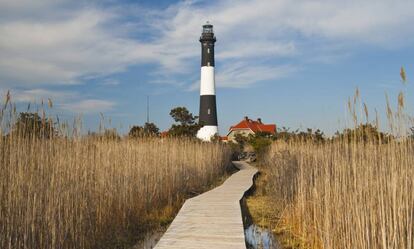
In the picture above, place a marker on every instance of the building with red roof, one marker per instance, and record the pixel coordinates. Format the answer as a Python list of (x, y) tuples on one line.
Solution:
[(248, 126), (164, 134), (223, 139)]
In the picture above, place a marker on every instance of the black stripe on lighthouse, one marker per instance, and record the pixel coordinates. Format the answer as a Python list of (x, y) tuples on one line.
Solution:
[(208, 111), (207, 40), (207, 54)]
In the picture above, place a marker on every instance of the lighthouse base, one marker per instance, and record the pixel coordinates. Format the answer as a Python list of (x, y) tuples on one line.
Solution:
[(206, 132)]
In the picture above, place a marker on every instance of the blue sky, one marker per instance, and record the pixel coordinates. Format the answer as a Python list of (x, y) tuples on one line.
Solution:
[(293, 63)]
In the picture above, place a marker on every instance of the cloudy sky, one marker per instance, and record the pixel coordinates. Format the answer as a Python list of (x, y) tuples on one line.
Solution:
[(293, 63)]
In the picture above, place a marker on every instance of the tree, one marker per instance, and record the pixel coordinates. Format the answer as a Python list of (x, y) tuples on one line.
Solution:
[(265, 134), (319, 136), (237, 145), (411, 134), (183, 116), (148, 130), (285, 134), (187, 126), (364, 133), (260, 144), (151, 129), (309, 135), (136, 131), (32, 125), (184, 130)]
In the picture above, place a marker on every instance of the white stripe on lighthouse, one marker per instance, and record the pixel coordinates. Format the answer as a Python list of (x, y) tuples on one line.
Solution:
[(207, 85), (206, 132)]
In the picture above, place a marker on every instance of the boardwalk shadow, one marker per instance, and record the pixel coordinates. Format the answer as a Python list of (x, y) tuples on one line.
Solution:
[(255, 236)]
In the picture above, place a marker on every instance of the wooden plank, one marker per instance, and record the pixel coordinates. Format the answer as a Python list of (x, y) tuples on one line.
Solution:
[(212, 219)]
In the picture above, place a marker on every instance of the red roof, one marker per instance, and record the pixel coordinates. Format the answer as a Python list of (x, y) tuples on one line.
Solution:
[(225, 138), (255, 126)]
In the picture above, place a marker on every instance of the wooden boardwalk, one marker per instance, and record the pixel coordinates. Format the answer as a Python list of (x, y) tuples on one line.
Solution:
[(212, 219)]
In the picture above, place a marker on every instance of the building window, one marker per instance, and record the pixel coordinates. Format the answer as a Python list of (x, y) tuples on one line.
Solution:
[(208, 50), (208, 111), (208, 64)]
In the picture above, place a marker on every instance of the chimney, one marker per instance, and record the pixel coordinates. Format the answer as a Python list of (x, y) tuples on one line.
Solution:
[(246, 118), (259, 120)]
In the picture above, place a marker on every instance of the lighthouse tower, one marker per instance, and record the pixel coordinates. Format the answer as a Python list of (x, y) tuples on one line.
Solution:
[(208, 110)]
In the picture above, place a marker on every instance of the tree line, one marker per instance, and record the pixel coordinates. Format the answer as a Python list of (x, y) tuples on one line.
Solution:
[(31, 124), (186, 124)]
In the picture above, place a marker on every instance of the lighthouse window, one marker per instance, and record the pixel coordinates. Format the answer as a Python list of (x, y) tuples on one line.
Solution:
[(208, 111)]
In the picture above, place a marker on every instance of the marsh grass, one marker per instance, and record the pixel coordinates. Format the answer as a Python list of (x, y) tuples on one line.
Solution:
[(73, 191), (355, 191), (346, 195)]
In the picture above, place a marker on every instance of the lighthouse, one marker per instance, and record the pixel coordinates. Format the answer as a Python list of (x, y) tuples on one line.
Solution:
[(208, 110)]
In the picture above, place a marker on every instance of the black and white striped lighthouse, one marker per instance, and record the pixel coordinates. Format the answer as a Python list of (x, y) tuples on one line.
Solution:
[(208, 110)]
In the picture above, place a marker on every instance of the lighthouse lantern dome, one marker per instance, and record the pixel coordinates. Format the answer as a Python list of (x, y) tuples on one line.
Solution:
[(208, 28), (208, 34)]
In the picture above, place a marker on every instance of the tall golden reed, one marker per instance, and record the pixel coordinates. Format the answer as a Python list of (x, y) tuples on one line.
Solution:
[(341, 195), (82, 192), (347, 193)]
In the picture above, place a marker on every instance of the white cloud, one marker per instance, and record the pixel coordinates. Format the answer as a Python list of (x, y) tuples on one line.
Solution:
[(80, 44), (254, 49), (240, 75), (62, 42), (110, 82), (89, 106), (253, 30), (37, 95), (62, 100)]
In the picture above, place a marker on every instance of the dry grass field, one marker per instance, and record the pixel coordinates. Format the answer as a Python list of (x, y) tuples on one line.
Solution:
[(347, 192), (94, 192), (341, 195)]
